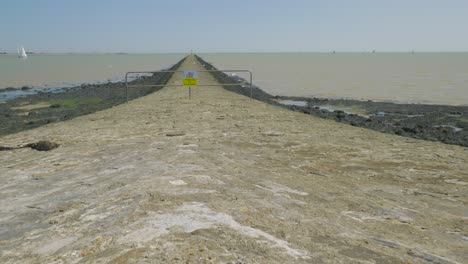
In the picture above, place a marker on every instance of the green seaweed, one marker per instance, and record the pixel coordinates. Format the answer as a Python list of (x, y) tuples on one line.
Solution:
[(462, 119), (74, 102), (355, 109)]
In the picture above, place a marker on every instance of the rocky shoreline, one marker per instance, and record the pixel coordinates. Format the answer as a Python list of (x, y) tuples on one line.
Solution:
[(41, 108), (443, 123)]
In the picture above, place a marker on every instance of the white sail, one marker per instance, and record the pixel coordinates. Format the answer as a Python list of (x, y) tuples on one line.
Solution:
[(22, 53)]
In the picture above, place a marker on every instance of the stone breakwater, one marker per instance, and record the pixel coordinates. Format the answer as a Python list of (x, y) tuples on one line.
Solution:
[(222, 178), (447, 124)]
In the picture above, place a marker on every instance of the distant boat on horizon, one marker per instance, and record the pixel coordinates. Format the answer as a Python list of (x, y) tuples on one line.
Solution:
[(22, 53)]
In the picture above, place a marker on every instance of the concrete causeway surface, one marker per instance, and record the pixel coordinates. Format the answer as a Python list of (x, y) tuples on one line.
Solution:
[(222, 178)]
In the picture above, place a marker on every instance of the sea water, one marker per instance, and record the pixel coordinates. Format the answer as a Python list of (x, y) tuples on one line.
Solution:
[(435, 78), (46, 70)]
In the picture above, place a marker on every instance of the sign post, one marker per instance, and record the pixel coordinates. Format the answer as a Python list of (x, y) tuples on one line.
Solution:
[(190, 78), (129, 80)]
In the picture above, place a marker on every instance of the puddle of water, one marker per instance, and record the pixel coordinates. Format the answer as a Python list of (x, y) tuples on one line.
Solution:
[(454, 128), (9, 95), (380, 114), (292, 102), (413, 115), (332, 108), (326, 107)]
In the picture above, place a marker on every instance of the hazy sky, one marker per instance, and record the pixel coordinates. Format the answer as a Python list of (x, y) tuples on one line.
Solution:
[(233, 26)]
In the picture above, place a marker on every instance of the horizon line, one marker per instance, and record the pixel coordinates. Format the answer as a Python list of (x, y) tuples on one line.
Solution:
[(233, 52)]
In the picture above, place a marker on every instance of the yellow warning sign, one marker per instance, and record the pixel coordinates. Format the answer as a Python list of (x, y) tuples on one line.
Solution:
[(190, 82), (190, 78)]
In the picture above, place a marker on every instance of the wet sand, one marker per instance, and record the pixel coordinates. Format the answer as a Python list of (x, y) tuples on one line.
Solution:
[(222, 178)]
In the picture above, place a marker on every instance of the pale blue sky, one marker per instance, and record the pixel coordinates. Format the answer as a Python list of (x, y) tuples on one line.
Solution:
[(233, 26)]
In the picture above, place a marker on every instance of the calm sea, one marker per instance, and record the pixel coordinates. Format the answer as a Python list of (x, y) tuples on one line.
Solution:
[(437, 78), (65, 69)]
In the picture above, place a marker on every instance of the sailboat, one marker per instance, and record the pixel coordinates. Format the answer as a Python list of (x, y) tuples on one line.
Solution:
[(22, 53)]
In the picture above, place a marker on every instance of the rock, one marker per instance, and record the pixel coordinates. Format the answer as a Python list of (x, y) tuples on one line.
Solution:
[(55, 106), (409, 130), (6, 148), (340, 114), (43, 145), (175, 134), (398, 131), (25, 88)]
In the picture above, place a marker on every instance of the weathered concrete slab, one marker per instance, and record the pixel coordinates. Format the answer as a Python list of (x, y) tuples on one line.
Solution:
[(225, 179)]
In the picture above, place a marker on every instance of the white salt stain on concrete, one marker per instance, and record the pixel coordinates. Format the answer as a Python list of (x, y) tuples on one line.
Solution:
[(94, 217), (186, 151), (206, 179), (186, 167), (188, 191), (194, 216), (187, 148), (456, 181), (360, 216), (177, 182), (55, 245), (278, 188), (283, 195), (117, 169)]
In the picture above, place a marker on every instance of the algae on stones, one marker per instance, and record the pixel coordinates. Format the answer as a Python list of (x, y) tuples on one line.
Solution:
[(74, 102)]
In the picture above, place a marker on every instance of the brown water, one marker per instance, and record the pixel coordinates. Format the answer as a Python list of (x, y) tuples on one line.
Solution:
[(436, 78), (60, 69)]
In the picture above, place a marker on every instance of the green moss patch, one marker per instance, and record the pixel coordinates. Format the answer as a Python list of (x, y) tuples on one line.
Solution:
[(355, 109), (74, 102)]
